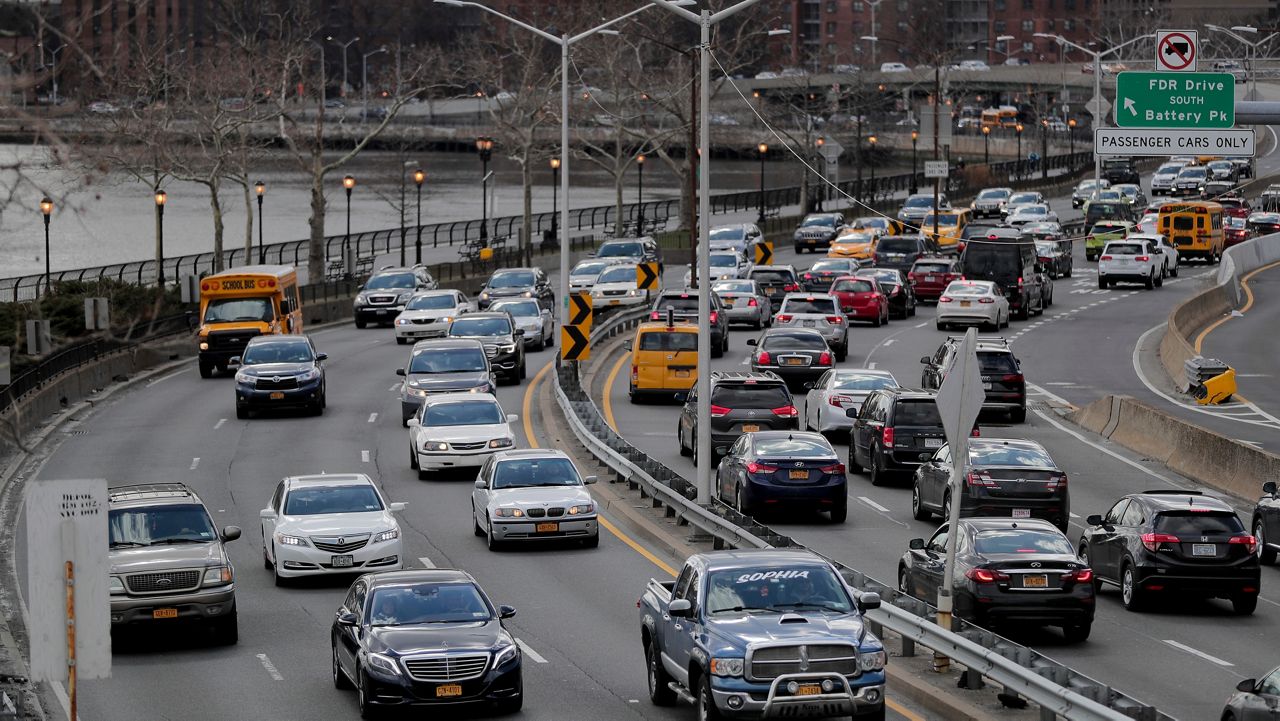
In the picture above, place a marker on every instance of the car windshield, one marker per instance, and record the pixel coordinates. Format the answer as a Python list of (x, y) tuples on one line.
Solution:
[(530, 472), (317, 500), (1198, 522), (1192, 173), (621, 250), (387, 281), (462, 413), (427, 603), (871, 223), (898, 244), (857, 235), (618, 274), (917, 412), (732, 286), (862, 382), (226, 310), (919, 201), (513, 279), (155, 525), (940, 219), (993, 194), (767, 277), (590, 267), (793, 447), (826, 306), (668, 341), (447, 360), (776, 589), (431, 302), (1235, 222), (823, 220), (1021, 540), (794, 341), (728, 234), (1021, 198), (724, 260), (850, 285), (991, 363), (470, 327), (967, 290), (831, 265), (1009, 455), (289, 352), (519, 308), (1032, 210), (1046, 249), (930, 268), (750, 395), (992, 260)]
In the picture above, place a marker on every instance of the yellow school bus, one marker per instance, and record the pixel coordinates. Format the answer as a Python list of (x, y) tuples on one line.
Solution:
[(664, 359), (236, 305), (1194, 227)]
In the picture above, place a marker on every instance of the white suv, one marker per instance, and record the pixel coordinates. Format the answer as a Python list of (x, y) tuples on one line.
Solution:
[(1167, 253), (1135, 261)]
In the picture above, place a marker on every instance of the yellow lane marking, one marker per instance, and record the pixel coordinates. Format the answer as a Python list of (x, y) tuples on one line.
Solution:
[(608, 392), (635, 546), (1248, 303), (912, 715), (527, 408)]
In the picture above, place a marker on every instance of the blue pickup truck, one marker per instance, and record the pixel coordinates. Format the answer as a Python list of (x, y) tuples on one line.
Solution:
[(762, 634)]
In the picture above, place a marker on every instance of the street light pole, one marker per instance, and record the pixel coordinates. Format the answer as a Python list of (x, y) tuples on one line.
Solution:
[(261, 189), (555, 185), (348, 183), (915, 136), (871, 140), (1044, 149), (418, 177), (1252, 72), (986, 145), (161, 198), (343, 91), (762, 148), (484, 146), (364, 89), (1017, 129), (640, 201), (46, 207), (407, 164)]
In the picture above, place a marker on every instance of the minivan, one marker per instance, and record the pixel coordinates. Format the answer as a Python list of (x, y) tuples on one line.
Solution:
[(1012, 264)]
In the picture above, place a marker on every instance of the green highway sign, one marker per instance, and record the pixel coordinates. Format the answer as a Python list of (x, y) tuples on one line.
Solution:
[(1175, 100)]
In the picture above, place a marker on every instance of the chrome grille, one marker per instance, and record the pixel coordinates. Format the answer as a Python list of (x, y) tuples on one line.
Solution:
[(614, 292), (555, 512), (423, 321), (446, 668), (382, 299), (766, 664), (163, 582), (468, 446), (231, 340), (340, 544), (273, 384)]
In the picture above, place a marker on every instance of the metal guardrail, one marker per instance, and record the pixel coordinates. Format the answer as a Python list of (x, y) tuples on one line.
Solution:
[(1057, 689)]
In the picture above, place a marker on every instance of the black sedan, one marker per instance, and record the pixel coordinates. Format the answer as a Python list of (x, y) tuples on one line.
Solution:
[(1007, 478), (279, 371), (425, 638), (902, 298), (1006, 572), (797, 355), (1264, 223), (769, 469), (819, 277)]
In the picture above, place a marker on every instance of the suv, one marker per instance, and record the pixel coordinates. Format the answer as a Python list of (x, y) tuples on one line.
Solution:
[(443, 365), (915, 207), (1085, 189), (896, 429), (741, 402), (990, 202), (900, 252), (776, 281), (384, 294), (817, 230), (683, 305), (503, 341), (1120, 170), (277, 372), (1162, 180), (931, 275), (1002, 377), (1133, 260), (518, 283), (1012, 264), (1190, 181), (1172, 543), (167, 561)]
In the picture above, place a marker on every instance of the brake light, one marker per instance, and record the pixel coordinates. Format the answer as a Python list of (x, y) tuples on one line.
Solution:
[(754, 467), (1250, 543), (655, 316), (980, 480), (975, 433), (912, 276), (835, 319), (1152, 541), (986, 300), (1081, 575), (714, 316), (1011, 378), (985, 575), (784, 318), (763, 358), (837, 469), (839, 401), (752, 303), (1056, 482), (808, 276), (1019, 281), (1143, 258), (635, 372), (894, 291), (791, 287), (1105, 257), (825, 358), (785, 412), (886, 437), (944, 299), (719, 411)]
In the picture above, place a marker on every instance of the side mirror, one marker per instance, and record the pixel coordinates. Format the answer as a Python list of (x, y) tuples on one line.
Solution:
[(518, 332), (346, 619), (1094, 520), (506, 611), (752, 342), (397, 506), (399, 371), (588, 480), (924, 359), (681, 397), (851, 412), (322, 356), (481, 484), (808, 385), (230, 533), (267, 514), (413, 423), (868, 601), (512, 417), (627, 345), (235, 361), (680, 608), (916, 544), (1247, 685), (1269, 488)]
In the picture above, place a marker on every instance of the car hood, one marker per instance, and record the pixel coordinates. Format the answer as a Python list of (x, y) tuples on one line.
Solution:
[(336, 524), (507, 292), (529, 322), (620, 285), (433, 637), (462, 380), (433, 314), (276, 369), (164, 557), (738, 631), (464, 433), (536, 497)]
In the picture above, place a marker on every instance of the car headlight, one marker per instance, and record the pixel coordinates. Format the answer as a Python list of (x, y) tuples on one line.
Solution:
[(284, 540), (415, 392), (527, 294), (242, 377), (310, 375), (361, 299), (508, 348), (500, 443), (389, 535), (873, 661), (446, 319), (404, 296), (403, 321), (484, 295), (726, 667), (434, 446), (384, 663), (504, 654), (508, 513), (582, 510), (116, 586), (633, 292), (204, 346), (217, 576)]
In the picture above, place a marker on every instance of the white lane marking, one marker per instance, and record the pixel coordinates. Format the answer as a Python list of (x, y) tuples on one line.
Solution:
[(876, 347), (219, 424), (1275, 140), (195, 462), (373, 417), (1110, 452), (1075, 515), (890, 341), (873, 504), (272, 671), (426, 562), (871, 366), (530, 652), (1051, 396), (1195, 652), (364, 456), (60, 692), (921, 325), (395, 387), (163, 378)]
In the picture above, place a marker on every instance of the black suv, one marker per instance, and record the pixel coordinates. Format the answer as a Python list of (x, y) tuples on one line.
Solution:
[(900, 252), (741, 402), (1170, 544), (383, 296), (277, 372), (817, 230), (776, 281), (632, 250), (1003, 477), (1120, 170), (895, 430), (518, 283), (1008, 259), (683, 305), (1002, 377), (503, 341), (1266, 523)]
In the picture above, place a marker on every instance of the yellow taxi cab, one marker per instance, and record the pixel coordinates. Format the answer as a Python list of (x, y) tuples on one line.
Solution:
[(951, 224), (882, 223), (859, 243), (238, 304), (664, 359)]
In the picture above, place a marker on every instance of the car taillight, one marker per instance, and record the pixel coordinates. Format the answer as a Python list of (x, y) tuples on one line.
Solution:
[(1080, 575), (1056, 482), (837, 469), (752, 303), (784, 318), (944, 299), (986, 300), (894, 291), (763, 358), (839, 401), (785, 412), (886, 437), (1011, 378), (1105, 257), (635, 372), (1250, 543), (719, 411), (982, 480), (975, 433), (754, 467), (1152, 541), (912, 276), (835, 319), (985, 575), (790, 287), (1143, 258), (824, 359), (1019, 281), (808, 276), (655, 316)]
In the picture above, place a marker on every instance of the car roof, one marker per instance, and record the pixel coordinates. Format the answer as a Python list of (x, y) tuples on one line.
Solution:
[(150, 494), (434, 292), (328, 479), (435, 398), (746, 377), (808, 296), (801, 435), (1179, 500), (419, 575), (909, 393), (1010, 442), (987, 523), (729, 560), (655, 325), (441, 343), (791, 268), (393, 269), (790, 331), (518, 453), (489, 313), (862, 372), (279, 338)]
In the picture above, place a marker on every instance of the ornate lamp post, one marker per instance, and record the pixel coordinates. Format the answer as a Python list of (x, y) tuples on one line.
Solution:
[(261, 189), (46, 208), (555, 201), (915, 136), (640, 203), (418, 177), (872, 140), (1071, 130), (986, 145), (762, 148), (349, 184), (484, 146), (1018, 129), (161, 198)]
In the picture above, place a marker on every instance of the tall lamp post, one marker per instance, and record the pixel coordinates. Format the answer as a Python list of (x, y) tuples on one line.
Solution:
[(1253, 51), (46, 208), (1071, 132), (161, 198), (418, 177), (872, 140), (484, 146), (915, 136), (762, 148), (364, 87), (261, 189), (818, 161), (1017, 129), (986, 145), (343, 91), (555, 183), (403, 209), (1044, 149), (640, 202), (349, 184)]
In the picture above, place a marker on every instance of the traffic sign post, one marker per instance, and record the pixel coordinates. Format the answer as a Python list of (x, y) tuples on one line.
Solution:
[(1235, 143), (646, 276), (1177, 50), (936, 169), (1186, 100), (575, 336), (764, 252)]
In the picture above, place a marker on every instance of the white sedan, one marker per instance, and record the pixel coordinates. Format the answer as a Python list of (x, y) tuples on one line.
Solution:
[(458, 430), (838, 390), (616, 286), (429, 313), (533, 495), (331, 523), (1035, 213), (973, 302)]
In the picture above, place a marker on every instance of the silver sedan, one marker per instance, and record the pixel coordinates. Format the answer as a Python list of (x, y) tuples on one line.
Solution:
[(838, 390), (744, 302), (529, 316), (533, 495)]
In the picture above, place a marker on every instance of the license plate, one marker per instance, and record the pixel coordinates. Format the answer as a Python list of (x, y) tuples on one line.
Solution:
[(1022, 513), (340, 561), (614, 302), (933, 442), (809, 689), (381, 312), (750, 427), (1035, 581), (932, 279), (682, 374), (965, 304), (792, 361), (452, 689), (1204, 549), (165, 613), (768, 290), (277, 396), (986, 386), (799, 475), (810, 323), (728, 302), (547, 527)]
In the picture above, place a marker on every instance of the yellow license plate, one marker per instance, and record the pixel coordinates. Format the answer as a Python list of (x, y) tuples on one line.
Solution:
[(750, 428), (809, 689), (1035, 581), (614, 302), (799, 475), (547, 527), (452, 689), (277, 396), (793, 361), (964, 304), (165, 613)]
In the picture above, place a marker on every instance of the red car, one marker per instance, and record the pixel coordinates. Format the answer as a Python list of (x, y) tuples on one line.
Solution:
[(861, 299), (930, 276), (1234, 206), (1236, 230)]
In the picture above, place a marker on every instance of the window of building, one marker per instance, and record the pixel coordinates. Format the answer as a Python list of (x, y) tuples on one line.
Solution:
[(1049, 25), (1000, 5), (831, 6), (1068, 25), (1028, 46), (1028, 26), (858, 6), (1000, 27), (902, 26), (831, 28), (1068, 4)]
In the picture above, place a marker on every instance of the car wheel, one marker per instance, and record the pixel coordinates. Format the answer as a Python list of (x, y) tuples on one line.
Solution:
[(340, 680), (911, 312), (1102, 283), (475, 524), (401, 341), (707, 710), (1150, 282), (873, 466), (843, 352), (592, 541), (854, 466), (940, 325), (1174, 272), (918, 511), (1160, 280), (1006, 321), (1244, 603), (524, 370), (799, 249), (226, 630), (367, 709), (660, 693), (266, 559), (242, 412), (840, 511), (490, 541), (413, 459), (360, 324), (1131, 595), (1018, 415), (904, 580), (877, 321), (946, 508), (206, 369), (1077, 632), (684, 450), (1266, 555)]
